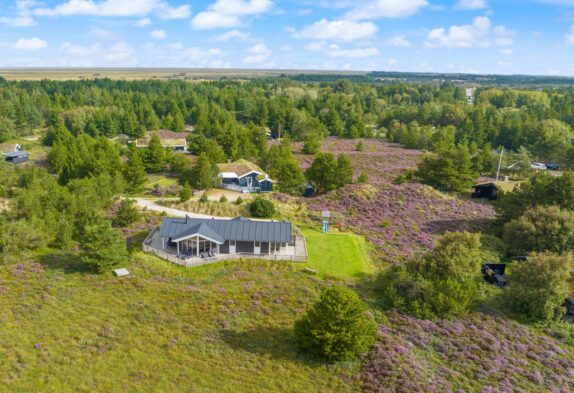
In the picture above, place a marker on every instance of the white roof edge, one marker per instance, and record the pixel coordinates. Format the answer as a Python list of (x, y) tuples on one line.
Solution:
[(249, 173), (228, 175), (198, 235)]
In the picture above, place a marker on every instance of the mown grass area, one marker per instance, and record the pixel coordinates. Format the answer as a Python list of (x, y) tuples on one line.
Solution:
[(342, 255), (226, 327), (159, 181)]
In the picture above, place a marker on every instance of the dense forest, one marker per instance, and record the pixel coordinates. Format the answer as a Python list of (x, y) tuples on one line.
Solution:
[(236, 115)]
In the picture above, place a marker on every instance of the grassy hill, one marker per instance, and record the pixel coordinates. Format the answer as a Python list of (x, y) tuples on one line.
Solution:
[(224, 328)]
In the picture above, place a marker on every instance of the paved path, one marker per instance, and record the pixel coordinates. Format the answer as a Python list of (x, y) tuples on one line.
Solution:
[(150, 204)]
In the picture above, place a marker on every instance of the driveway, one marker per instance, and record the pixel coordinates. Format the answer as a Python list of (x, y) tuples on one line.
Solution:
[(150, 204)]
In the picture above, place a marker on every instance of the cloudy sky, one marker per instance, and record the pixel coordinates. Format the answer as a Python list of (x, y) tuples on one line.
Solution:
[(477, 36)]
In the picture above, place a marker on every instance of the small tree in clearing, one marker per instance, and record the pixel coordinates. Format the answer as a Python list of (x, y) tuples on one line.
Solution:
[(186, 192), (262, 208), (102, 247), (127, 214), (336, 327)]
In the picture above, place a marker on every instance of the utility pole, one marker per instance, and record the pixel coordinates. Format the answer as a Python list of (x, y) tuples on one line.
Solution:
[(499, 163)]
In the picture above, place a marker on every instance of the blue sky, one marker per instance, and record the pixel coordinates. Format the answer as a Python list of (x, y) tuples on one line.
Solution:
[(477, 36)]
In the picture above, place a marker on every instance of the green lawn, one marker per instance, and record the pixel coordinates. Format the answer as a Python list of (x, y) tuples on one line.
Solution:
[(161, 181), (343, 255), (225, 327)]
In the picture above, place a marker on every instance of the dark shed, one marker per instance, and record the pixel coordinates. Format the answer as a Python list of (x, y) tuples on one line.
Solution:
[(485, 191), (16, 157)]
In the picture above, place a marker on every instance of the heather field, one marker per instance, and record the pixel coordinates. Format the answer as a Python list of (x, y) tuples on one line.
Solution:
[(382, 161), (478, 353), (399, 220)]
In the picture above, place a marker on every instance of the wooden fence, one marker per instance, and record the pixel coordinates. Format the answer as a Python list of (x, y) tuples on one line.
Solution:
[(191, 262)]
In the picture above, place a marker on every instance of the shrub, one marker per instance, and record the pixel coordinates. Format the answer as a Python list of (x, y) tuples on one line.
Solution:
[(363, 178), (336, 327), (538, 286), (262, 208), (101, 247), (541, 229), (203, 198), (360, 146), (239, 200), (223, 199), (186, 192), (443, 283), (450, 169), (127, 213)]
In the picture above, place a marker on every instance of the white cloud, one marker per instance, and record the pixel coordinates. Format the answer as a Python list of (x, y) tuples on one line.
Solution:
[(471, 4), (376, 9), (478, 35), (22, 15), (196, 54), (175, 46), (120, 53), (17, 21), (30, 44), (116, 8), (507, 52), (352, 53), (258, 53), (228, 13), (179, 12), (399, 40), (213, 20), (232, 35), (80, 50), (158, 34), (338, 30), (570, 36), (143, 22)]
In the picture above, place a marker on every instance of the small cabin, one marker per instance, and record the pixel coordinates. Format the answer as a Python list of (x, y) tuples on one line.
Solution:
[(176, 141), (485, 191), (244, 176), (16, 157)]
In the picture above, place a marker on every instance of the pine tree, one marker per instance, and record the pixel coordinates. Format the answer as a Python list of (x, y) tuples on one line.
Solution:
[(134, 171), (204, 173), (101, 247), (155, 156), (344, 171)]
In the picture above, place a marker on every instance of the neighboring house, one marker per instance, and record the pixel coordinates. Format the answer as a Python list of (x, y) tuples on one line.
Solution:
[(16, 157), (208, 240), (177, 141), (10, 147), (490, 191), (244, 176)]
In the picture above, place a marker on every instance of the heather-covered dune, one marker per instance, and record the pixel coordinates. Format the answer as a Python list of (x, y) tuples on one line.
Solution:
[(478, 353), (399, 219), (403, 219), (382, 161)]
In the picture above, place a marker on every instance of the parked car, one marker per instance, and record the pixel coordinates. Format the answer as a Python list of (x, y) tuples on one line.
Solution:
[(552, 166), (538, 166)]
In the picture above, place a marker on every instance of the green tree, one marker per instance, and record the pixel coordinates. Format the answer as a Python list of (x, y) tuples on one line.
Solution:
[(443, 283), (262, 208), (344, 171), (542, 228), (336, 327), (154, 158), (284, 168), (127, 213), (540, 189), (448, 169), (101, 247), (538, 286), (204, 173), (312, 143), (323, 173), (186, 192), (134, 171)]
